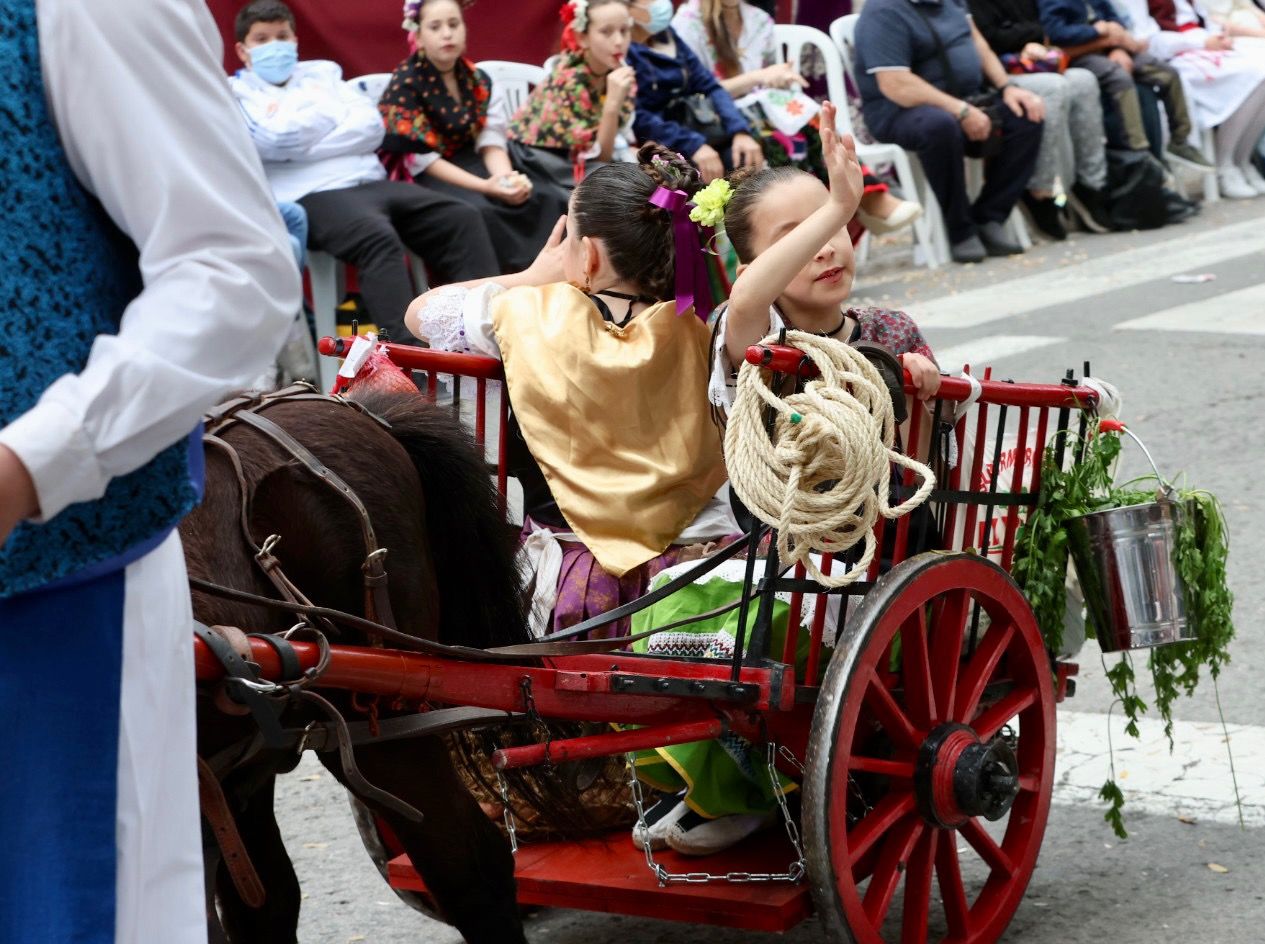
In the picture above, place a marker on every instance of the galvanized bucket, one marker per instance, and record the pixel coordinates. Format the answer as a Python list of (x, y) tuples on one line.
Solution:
[(1127, 567), (1124, 559)]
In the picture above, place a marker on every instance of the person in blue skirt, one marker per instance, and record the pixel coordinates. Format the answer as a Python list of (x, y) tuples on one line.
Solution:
[(144, 273)]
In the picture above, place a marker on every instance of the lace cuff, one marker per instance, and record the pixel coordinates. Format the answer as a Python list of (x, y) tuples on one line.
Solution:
[(459, 319)]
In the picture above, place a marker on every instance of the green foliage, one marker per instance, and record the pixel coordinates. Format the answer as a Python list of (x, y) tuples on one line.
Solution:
[(1202, 544)]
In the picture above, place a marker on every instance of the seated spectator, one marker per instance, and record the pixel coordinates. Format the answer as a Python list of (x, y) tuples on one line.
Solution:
[(1073, 143), (1225, 84), (735, 41), (679, 102), (318, 137), (1093, 37), (583, 112), (446, 117), (1236, 17), (917, 63)]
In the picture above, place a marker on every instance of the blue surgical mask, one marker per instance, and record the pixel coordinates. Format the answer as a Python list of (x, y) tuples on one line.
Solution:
[(660, 16), (274, 62)]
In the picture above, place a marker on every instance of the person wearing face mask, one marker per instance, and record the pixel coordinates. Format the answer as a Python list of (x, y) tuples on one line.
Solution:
[(318, 137), (448, 122), (680, 103)]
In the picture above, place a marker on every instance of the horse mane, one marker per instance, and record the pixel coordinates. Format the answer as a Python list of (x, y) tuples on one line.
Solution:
[(474, 552)]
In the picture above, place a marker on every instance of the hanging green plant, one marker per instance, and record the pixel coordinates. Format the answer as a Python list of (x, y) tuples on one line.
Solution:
[(1201, 548)]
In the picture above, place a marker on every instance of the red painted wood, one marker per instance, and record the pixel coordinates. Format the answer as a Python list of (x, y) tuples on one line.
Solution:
[(574, 688), (606, 745), (788, 360), (610, 875)]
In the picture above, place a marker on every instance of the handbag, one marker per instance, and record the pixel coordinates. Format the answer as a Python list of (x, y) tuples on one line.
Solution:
[(990, 102), (695, 111)]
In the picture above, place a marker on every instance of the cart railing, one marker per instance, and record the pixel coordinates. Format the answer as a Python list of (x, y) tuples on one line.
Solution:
[(985, 443)]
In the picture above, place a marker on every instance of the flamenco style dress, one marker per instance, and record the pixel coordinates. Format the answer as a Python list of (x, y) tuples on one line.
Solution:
[(135, 299)]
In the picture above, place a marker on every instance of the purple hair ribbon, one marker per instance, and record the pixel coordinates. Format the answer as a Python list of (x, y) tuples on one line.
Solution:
[(693, 284)]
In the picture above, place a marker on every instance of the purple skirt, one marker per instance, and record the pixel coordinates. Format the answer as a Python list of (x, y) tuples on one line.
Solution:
[(586, 590)]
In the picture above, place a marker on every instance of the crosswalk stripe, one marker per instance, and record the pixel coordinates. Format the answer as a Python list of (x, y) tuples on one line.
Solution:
[(1194, 780), (1094, 276), (1238, 312), (988, 350)]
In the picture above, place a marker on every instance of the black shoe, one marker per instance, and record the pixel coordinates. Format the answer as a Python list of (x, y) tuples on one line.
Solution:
[(995, 240), (1090, 206), (968, 250), (1046, 216), (1177, 207)]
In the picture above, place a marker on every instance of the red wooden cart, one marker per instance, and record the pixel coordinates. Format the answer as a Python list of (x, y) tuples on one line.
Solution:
[(923, 741)]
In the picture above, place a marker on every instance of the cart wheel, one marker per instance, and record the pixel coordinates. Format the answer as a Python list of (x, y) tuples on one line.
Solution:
[(917, 768)]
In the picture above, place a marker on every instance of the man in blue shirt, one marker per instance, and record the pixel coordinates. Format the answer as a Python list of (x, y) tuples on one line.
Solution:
[(917, 62)]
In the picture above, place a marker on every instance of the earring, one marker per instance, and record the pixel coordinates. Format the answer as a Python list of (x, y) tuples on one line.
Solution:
[(588, 284)]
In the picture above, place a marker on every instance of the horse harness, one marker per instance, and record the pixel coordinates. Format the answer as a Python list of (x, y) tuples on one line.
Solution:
[(249, 410)]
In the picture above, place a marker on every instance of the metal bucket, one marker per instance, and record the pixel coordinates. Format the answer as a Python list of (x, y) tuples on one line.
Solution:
[(1124, 559)]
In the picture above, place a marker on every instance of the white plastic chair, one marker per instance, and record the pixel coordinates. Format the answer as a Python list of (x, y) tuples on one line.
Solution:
[(791, 41), (515, 79), (372, 85)]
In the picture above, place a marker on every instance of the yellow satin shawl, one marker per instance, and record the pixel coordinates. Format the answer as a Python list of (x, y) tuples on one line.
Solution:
[(617, 418)]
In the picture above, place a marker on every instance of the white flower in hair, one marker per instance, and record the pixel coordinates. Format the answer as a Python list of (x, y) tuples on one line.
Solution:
[(581, 22)]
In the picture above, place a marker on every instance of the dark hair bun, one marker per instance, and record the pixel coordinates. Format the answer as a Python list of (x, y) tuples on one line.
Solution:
[(669, 169)]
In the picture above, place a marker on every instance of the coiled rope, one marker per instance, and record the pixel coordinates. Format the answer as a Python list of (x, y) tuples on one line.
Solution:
[(822, 478)]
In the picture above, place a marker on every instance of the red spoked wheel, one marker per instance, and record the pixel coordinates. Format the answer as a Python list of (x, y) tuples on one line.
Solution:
[(931, 758)]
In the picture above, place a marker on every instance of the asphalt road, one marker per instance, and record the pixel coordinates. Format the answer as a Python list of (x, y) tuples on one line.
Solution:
[(1188, 358)]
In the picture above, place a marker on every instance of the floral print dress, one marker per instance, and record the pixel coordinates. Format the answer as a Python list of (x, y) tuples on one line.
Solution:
[(563, 113)]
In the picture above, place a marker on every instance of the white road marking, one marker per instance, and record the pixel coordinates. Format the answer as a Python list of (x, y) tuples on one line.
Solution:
[(1193, 781), (985, 351), (1091, 277), (1238, 312)]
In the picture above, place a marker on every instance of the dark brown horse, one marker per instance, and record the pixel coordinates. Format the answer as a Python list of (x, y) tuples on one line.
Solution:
[(453, 578)]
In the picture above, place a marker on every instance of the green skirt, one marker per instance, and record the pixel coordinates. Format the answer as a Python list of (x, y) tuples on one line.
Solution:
[(727, 775)]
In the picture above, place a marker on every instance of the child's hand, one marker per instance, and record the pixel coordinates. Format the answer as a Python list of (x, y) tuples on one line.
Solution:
[(548, 266), (840, 157), (923, 374)]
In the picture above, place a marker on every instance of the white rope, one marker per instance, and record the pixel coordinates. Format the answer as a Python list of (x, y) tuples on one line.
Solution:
[(822, 478)]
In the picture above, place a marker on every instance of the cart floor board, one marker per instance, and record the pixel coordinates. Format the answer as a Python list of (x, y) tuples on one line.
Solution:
[(611, 875)]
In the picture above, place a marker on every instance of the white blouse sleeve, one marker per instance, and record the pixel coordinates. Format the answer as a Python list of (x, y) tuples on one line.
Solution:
[(496, 128), (459, 319), (723, 383)]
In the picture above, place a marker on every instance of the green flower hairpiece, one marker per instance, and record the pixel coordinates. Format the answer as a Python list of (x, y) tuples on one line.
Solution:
[(710, 203)]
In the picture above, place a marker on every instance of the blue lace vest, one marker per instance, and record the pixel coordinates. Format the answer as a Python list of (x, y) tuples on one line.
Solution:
[(66, 275)]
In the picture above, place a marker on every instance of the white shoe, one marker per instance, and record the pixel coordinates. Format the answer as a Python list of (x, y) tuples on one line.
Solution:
[(1253, 177), (660, 818), (708, 836), (1234, 185), (904, 215)]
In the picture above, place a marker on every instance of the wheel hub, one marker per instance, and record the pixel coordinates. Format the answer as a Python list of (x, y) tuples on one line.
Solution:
[(957, 776)]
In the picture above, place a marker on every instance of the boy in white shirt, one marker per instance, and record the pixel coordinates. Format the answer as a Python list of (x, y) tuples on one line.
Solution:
[(318, 137)]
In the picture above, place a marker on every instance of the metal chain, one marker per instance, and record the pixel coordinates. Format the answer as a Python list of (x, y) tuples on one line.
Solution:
[(795, 872), (508, 812)]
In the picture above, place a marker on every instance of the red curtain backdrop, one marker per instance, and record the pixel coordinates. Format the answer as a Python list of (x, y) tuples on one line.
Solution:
[(365, 36)]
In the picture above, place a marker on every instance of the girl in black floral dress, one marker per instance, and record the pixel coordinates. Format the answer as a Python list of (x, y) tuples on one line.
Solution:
[(447, 122)]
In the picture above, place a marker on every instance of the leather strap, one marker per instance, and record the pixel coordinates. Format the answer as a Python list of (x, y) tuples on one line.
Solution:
[(236, 669), (291, 669), (236, 859)]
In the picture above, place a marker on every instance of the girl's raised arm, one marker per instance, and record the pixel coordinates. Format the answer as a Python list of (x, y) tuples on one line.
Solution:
[(766, 277)]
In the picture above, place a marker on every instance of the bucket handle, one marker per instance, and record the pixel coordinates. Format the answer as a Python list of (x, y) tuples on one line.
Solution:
[(1116, 426)]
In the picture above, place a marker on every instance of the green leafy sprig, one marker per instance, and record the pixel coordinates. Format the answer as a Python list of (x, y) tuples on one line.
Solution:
[(1201, 549)]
